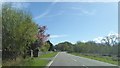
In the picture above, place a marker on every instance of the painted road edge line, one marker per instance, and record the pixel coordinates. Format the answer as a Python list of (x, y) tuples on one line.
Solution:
[(49, 64), (85, 66), (74, 59)]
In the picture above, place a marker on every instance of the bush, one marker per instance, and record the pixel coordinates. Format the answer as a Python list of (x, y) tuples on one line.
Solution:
[(18, 31)]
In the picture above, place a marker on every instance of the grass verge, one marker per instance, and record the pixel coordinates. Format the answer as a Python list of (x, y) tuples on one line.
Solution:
[(40, 61), (36, 62), (49, 55), (96, 57)]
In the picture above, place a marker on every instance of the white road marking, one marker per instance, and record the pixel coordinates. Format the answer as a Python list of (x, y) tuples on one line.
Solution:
[(49, 64), (85, 66), (74, 59), (82, 65)]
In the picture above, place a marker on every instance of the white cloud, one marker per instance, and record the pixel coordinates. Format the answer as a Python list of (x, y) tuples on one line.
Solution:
[(57, 36), (84, 41), (98, 39), (113, 33)]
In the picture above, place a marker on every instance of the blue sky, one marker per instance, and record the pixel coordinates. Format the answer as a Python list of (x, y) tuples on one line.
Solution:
[(75, 21)]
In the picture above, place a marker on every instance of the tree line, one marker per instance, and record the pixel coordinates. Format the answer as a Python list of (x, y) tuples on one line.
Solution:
[(109, 46)]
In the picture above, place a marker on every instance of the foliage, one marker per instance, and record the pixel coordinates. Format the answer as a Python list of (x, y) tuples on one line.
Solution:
[(18, 30), (36, 62), (51, 48), (97, 57), (64, 46), (42, 37), (106, 49), (45, 47)]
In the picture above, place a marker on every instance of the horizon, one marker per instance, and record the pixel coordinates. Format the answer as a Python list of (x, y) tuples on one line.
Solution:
[(74, 21)]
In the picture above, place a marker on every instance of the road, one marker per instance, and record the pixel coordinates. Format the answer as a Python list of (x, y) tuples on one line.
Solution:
[(65, 59)]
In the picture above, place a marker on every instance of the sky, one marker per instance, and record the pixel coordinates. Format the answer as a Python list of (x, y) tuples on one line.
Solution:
[(74, 21), (59, 0)]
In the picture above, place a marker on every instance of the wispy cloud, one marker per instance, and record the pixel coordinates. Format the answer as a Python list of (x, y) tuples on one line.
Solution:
[(58, 36), (84, 11), (47, 10), (42, 15), (58, 14), (46, 14), (89, 12)]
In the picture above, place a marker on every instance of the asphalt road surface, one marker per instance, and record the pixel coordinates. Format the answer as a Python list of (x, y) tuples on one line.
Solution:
[(65, 59)]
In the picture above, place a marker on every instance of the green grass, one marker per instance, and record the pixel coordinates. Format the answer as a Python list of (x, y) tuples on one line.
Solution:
[(49, 55), (38, 61), (28, 62), (99, 58)]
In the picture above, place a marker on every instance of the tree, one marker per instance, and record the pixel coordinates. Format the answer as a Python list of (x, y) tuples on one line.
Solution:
[(110, 40), (45, 47), (51, 48), (107, 40), (42, 37), (64, 46), (18, 31), (112, 44)]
